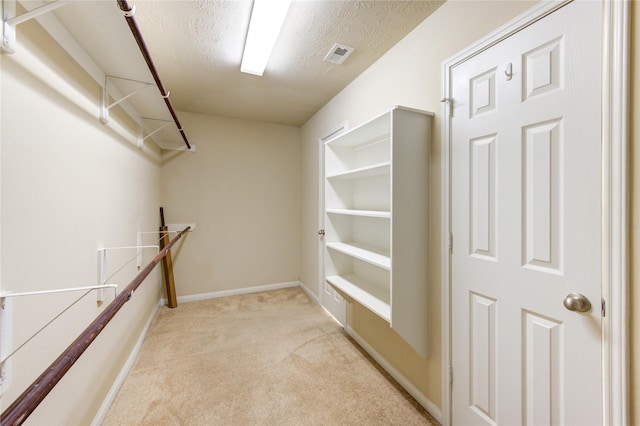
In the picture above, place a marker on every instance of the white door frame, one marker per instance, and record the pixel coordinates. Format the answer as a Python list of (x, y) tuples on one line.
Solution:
[(615, 182), (339, 129)]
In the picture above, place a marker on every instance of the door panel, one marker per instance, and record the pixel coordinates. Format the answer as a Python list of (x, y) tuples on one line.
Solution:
[(542, 181), (482, 171), (526, 221)]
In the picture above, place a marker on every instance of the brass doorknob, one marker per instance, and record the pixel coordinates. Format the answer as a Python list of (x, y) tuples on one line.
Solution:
[(577, 302)]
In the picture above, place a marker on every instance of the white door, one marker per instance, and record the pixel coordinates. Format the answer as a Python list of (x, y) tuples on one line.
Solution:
[(526, 221), (330, 299)]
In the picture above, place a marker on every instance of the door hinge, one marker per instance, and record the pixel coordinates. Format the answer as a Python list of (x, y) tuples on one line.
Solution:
[(451, 242), (449, 102), (450, 375), (603, 309)]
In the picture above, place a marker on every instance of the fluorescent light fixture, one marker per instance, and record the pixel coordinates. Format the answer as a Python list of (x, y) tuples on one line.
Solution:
[(267, 18)]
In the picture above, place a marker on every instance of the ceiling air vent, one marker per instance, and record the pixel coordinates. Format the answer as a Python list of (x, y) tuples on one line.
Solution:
[(338, 53)]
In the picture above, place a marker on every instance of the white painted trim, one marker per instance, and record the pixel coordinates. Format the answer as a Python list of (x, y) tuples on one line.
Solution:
[(527, 18), (234, 292), (321, 208), (310, 294), (615, 200), (615, 211), (422, 399), (322, 292), (446, 250), (124, 372)]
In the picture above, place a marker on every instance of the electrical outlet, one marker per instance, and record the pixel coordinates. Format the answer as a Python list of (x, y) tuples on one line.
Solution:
[(327, 288), (5, 343), (339, 297)]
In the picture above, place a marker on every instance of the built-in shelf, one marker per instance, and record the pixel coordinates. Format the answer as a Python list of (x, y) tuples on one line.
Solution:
[(359, 290), (361, 252), (364, 213), (376, 219), (380, 169)]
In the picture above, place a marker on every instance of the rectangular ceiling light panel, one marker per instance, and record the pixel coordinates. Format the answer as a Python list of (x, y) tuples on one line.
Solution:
[(267, 18)]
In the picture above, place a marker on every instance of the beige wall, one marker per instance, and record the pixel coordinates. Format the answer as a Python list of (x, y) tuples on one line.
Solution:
[(69, 186), (242, 189)]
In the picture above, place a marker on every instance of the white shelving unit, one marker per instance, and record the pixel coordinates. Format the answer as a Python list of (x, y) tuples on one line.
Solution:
[(376, 219)]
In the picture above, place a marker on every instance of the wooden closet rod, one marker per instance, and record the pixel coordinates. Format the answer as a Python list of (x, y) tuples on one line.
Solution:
[(26, 403), (133, 25)]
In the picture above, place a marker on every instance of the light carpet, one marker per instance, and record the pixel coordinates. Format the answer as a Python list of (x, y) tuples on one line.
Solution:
[(268, 358)]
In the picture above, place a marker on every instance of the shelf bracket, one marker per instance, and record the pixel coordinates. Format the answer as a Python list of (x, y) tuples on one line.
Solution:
[(6, 318), (10, 20), (106, 106), (102, 265), (142, 138)]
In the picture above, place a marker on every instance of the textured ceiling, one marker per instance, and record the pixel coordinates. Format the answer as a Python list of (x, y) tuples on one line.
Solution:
[(197, 47)]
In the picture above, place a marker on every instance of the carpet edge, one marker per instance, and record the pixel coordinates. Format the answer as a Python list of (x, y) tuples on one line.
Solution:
[(422, 399), (125, 370)]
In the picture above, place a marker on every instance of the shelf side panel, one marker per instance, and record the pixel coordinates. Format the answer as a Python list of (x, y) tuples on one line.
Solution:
[(410, 222)]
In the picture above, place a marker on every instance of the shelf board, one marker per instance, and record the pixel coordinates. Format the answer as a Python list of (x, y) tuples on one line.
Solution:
[(374, 170), (363, 253), (373, 129), (366, 213), (355, 144), (359, 291)]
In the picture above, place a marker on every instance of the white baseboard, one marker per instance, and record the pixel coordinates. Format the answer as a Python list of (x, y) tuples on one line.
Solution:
[(432, 408), (310, 293), (316, 300), (124, 372), (233, 292)]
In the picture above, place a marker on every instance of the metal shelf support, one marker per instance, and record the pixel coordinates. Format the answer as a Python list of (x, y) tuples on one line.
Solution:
[(102, 264), (106, 106), (10, 20)]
